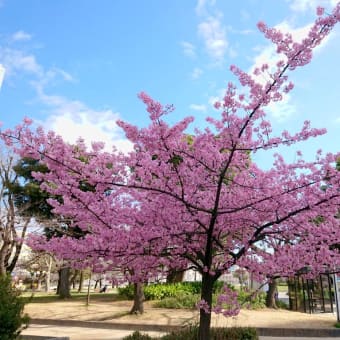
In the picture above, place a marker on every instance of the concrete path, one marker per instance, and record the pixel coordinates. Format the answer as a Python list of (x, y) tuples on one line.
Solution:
[(82, 333), (109, 320), (79, 333)]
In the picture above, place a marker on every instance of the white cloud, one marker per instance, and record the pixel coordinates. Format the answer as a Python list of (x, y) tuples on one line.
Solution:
[(214, 99), (72, 119), (196, 73), (283, 110), (69, 118), (241, 32), (268, 53), (2, 74), (213, 34), (201, 7), (300, 33), (21, 36), (310, 5), (188, 49), (66, 76), (198, 107), (17, 61)]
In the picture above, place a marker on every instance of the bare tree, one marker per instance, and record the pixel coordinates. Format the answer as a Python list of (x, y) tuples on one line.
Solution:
[(40, 264), (13, 226)]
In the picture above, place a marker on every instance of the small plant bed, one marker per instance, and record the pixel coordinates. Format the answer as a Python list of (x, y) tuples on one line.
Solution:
[(191, 333), (12, 318), (187, 294)]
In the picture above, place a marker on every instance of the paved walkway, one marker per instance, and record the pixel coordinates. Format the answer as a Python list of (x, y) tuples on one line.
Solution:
[(82, 333), (109, 320)]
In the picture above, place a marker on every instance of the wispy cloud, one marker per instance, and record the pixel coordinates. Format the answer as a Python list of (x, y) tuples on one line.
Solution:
[(196, 73), (268, 53), (17, 61), (2, 75), (189, 49), (202, 6), (241, 32), (69, 118), (198, 107), (211, 30), (310, 5), (214, 99), (213, 33), (21, 36), (283, 110)]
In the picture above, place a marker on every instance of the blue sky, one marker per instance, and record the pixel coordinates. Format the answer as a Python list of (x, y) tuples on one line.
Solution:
[(76, 66)]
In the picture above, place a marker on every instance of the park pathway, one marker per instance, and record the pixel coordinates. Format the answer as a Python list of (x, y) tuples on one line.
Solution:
[(108, 320)]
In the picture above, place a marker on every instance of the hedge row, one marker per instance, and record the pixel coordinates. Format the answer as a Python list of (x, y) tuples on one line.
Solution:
[(187, 294), (191, 333), (161, 291)]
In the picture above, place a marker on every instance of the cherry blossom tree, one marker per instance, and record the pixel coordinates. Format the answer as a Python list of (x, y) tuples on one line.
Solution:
[(199, 200)]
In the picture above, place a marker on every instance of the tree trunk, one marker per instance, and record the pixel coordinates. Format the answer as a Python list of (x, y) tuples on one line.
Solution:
[(73, 278), (81, 281), (96, 284), (271, 294), (138, 307), (48, 274), (3, 253), (205, 317), (175, 276), (14, 254), (63, 284), (88, 291)]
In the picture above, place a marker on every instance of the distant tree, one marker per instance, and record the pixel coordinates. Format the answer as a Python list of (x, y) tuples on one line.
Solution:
[(28, 193), (41, 265), (13, 221)]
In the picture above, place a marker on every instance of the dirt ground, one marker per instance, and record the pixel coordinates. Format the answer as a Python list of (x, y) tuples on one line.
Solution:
[(117, 312)]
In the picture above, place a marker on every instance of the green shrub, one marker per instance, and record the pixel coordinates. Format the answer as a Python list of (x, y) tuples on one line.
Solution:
[(337, 325), (161, 291), (126, 292), (281, 304), (232, 333), (191, 333), (137, 336), (257, 301), (181, 300), (12, 320)]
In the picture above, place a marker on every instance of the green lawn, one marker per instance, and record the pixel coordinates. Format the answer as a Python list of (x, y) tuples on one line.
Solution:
[(282, 289), (42, 297)]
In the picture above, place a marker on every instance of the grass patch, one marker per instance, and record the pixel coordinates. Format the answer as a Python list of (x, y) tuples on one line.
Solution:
[(181, 300), (282, 289), (41, 297)]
